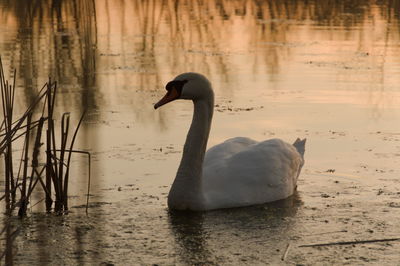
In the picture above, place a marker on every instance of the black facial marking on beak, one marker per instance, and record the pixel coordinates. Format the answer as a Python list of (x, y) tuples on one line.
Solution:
[(177, 85), (174, 91)]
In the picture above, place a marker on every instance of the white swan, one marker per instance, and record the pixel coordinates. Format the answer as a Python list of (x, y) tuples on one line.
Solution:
[(238, 172)]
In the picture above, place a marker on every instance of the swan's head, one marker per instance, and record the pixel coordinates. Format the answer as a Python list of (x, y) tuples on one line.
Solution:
[(188, 86)]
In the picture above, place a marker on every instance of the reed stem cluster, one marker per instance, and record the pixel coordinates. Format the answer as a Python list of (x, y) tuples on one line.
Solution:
[(34, 129)]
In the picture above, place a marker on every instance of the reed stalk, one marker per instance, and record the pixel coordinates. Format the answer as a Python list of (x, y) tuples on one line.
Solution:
[(24, 200), (7, 96), (66, 178), (64, 137)]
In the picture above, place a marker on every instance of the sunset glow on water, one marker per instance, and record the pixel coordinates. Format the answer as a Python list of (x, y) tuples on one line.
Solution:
[(328, 71)]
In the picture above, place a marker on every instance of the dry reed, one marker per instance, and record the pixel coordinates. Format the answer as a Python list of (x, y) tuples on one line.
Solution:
[(54, 173)]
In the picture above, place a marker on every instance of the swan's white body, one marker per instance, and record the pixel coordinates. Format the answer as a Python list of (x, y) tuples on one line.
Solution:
[(238, 172)]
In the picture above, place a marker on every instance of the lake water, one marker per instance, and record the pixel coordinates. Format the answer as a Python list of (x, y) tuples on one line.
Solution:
[(325, 70)]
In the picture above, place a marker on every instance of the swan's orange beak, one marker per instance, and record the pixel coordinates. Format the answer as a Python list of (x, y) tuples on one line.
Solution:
[(169, 97)]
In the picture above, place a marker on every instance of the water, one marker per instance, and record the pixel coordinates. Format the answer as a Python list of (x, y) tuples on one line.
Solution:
[(325, 70)]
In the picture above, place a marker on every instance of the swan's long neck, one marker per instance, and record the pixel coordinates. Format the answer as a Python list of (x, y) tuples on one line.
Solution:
[(196, 142), (186, 191)]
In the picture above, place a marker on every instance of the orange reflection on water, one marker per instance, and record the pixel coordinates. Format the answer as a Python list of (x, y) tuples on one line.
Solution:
[(279, 68)]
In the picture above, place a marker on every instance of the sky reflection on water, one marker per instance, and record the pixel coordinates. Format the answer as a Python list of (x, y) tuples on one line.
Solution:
[(107, 53)]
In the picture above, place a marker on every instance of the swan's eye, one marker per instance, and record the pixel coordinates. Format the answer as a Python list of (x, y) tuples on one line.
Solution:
[(175, 84)]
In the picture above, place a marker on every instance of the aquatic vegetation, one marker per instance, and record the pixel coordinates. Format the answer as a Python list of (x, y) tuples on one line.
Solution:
[(53, 173)]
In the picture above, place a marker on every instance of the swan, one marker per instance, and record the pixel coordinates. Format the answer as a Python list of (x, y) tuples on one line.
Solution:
[(238, 172)]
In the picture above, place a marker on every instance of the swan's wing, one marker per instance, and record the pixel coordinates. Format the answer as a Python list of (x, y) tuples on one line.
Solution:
[(262, 172), (226, 149)]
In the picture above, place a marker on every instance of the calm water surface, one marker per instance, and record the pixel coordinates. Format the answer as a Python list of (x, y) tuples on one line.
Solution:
[(325, 70)]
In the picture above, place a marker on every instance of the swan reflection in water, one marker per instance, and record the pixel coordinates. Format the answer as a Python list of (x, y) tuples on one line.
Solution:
[(223, 236)]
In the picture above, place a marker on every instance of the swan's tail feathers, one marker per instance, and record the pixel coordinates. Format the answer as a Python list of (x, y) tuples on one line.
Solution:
[(300, 144)]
